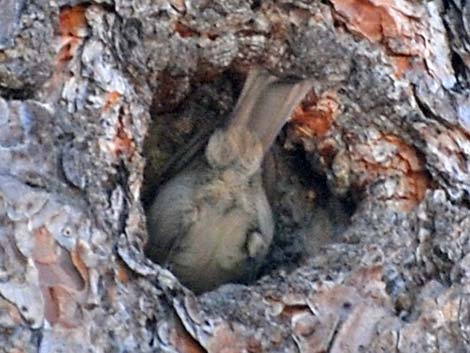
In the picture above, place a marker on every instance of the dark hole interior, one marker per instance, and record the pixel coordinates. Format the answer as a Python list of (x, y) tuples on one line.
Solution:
[(307, 215)]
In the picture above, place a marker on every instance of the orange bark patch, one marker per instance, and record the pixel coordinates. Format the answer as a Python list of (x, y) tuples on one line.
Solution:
[(185, 31), (122, 143), (184, 342), (63, 279), (123, 273), (402, 64), (67, 308), (72, 21), (112, 98), (416, 177), (76, 255), (395, 25), (367, 18), (72, 29), (45, 247), (227, 341), (361, 277), (315, 116), (400, 160), (291, 310)]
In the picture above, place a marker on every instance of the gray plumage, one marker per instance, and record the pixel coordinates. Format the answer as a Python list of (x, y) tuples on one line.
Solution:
[(212, 223)]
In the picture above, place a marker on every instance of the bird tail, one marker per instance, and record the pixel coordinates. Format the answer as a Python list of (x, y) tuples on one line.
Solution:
[(266, 103)]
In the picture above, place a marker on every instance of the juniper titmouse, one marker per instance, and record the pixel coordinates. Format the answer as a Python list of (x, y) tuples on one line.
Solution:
[(212, 223)]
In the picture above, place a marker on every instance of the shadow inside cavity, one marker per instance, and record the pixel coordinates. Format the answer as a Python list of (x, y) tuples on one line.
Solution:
[(307, 214)]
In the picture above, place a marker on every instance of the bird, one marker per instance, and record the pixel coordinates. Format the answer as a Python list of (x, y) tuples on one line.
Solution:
[(212, 223)]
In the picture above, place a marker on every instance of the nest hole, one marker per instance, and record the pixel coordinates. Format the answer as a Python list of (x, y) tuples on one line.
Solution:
[(306, 213)]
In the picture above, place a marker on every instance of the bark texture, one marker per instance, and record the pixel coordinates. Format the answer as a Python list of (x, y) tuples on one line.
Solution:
[(387, 125)]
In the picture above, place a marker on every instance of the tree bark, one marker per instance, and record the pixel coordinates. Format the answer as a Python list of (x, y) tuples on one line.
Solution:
[(371, 176)]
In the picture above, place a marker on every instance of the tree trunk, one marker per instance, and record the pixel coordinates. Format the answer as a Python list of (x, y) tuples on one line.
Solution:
[(370, 180)]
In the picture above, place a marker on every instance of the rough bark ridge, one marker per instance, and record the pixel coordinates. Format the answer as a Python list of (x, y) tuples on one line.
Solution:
[(388, 121)]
